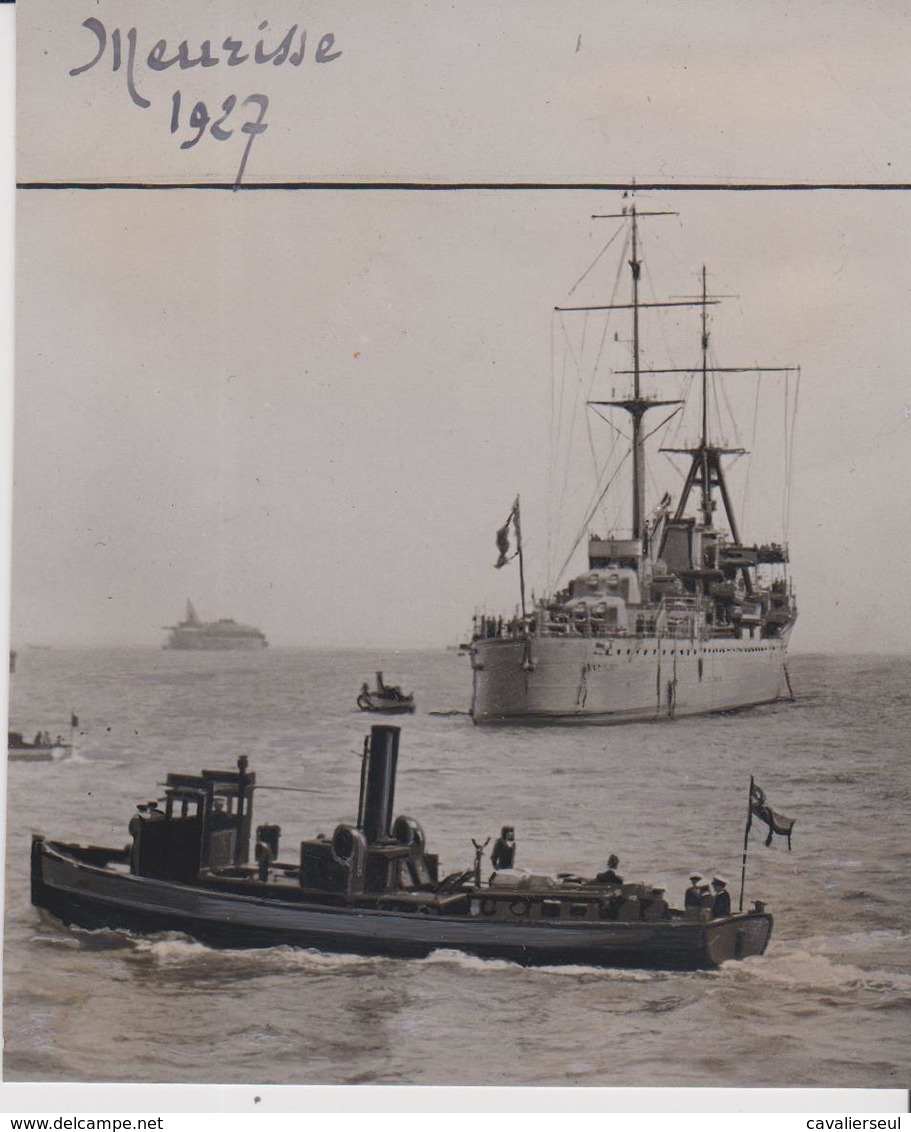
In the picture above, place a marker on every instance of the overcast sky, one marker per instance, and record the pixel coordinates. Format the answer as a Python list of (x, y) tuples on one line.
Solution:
[(310, 411)]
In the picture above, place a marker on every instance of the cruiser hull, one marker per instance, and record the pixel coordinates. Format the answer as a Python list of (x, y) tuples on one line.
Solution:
[(97, 897), (556, 680)]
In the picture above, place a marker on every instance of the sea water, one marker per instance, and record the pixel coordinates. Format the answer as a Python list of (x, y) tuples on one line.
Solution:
[(828, 1005)]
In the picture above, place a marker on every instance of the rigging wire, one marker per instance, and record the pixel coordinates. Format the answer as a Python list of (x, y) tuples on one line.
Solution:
[(585, 317), (615, 428), (607, 325), (791, 447), (595, 261), (565, 432), (597, 494), (569, 344), (572, 429), (591, 513), (674, 435), (607, 322), (746, 478), (649, 464), (556, 509), (591, 442), (553, 446), (731, 415), (716, 404), (668, 352), (663, 423)]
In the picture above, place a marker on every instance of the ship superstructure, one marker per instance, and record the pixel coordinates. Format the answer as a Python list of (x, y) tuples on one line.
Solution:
[(678, 616)]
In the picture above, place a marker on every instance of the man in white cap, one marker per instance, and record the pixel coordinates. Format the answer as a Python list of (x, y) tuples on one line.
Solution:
[(721, 905)]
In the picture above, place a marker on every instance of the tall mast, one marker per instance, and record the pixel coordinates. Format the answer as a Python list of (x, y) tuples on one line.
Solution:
[(706, 507), (705, 466), (637, 405), (638, 452)]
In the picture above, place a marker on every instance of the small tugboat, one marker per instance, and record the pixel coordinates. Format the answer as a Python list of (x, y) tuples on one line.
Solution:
[(373, 888), (42, 749), (385, 697)]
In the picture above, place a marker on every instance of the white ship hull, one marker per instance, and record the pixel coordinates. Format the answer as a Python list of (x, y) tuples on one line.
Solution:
[(555, 680), (212, 642)]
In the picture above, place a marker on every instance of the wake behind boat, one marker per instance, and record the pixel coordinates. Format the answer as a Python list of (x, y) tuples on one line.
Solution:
[(678, 614), (372, 888)]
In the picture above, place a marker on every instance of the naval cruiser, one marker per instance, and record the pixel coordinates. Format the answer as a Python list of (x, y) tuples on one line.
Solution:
[(677, 615)]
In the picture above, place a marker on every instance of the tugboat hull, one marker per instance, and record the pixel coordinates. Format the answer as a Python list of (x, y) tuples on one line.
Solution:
[(92, 890)]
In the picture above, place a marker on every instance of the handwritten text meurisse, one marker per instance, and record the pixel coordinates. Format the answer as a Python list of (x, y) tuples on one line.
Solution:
[(123, 48)]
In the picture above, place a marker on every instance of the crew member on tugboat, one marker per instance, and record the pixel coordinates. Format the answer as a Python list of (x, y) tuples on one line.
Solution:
[(610, 875), (503, 854)]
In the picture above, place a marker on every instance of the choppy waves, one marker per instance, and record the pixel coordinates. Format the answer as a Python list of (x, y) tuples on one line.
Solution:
[(828, 1004)]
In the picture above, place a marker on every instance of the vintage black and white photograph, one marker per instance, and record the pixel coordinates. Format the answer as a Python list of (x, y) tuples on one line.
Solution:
[(459, 543)]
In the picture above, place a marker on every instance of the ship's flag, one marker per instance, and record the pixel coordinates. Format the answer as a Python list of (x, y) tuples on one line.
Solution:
[(761, 809), (74, 720), (503, 535)]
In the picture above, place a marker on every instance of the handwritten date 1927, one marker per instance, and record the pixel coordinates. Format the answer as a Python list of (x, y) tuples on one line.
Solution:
[(200, 120), (291, 48)]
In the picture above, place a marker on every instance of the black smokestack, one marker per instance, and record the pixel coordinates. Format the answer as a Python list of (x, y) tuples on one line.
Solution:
[(378, 783)]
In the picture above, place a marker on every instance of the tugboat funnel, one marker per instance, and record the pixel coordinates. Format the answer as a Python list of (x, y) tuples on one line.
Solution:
[(378, 783)]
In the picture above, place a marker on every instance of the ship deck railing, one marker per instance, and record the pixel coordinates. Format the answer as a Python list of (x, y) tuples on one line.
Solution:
[(673, 618)]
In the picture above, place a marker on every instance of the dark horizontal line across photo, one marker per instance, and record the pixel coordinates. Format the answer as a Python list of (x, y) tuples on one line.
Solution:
[(469, 186)]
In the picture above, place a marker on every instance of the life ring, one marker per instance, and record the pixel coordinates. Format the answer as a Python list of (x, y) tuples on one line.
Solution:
[(488, 906), (613, 580), (521, 906)]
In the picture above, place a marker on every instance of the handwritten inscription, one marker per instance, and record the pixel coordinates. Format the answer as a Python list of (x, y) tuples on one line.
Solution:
[(123, 50)]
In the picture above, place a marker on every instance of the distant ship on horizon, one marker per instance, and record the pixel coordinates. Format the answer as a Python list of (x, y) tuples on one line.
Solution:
[(225, 634), (678, 614)]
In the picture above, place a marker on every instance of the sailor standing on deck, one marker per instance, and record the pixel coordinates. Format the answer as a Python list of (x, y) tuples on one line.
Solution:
[(693, 897), (134, 829), (610, 875), (503, 854), (721, 905)]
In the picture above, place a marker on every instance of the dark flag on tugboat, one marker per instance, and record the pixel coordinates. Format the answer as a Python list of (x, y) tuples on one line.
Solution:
[(503, 536), (777, 823), (74, 720), (761, 809)]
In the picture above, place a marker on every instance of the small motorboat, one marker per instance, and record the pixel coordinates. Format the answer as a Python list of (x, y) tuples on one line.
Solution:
[(42, 749), (372, 888), (385, 697)]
